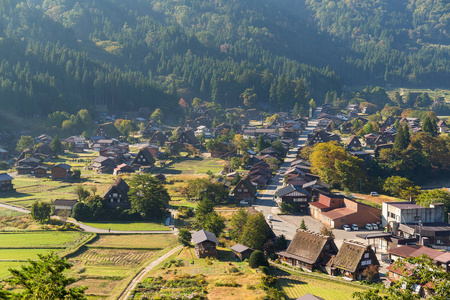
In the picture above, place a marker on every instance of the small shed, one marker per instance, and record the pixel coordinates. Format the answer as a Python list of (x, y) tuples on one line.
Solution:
[(205, 244), (242, 252), (40, 172), (62, 204)]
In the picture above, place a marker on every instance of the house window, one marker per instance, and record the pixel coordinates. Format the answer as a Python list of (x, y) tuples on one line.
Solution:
[(366, 255), (114, 194), (239, 190), (366, 262), (245, 190), (112, 200)]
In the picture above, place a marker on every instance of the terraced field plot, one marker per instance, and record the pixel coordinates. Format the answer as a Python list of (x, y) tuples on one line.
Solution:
[(17, 248), (109, 262), (297, 286)]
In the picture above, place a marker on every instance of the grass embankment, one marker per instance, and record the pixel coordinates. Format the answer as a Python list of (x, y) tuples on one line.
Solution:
[(224, 278), (109, 262)]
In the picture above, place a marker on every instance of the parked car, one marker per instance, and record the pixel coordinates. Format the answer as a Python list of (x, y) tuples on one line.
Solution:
[(346, 227), (243, 202), (369, 226), (374, 194), (355, 227), (374, 226)]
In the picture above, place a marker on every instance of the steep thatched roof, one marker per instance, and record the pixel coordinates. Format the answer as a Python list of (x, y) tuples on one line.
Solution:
[(120, 185), (308, 245), (349, 255)]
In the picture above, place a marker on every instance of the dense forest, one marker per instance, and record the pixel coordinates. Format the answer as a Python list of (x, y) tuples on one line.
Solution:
[(67, 55)]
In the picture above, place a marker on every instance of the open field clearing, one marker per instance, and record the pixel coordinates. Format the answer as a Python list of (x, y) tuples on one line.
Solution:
[(4, 212), (107, 263), (194, 166), (30, 189), (129, 226), (185, 274)]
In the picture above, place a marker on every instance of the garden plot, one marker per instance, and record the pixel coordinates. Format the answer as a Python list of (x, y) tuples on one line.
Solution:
[(109, 262)]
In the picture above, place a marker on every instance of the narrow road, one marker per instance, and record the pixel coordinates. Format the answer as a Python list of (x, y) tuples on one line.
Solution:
[(90, 228), (126, 293), (266, 203)]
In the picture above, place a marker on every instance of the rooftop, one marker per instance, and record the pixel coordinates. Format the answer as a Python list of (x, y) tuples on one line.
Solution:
[(404, 205)]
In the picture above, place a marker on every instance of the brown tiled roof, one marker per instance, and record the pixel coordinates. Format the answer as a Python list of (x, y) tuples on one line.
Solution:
[(349, 255), (307, 245), (415, 250), (338, 213)]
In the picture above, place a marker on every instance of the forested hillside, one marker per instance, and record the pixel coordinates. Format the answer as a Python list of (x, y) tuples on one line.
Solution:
[(68, 54)]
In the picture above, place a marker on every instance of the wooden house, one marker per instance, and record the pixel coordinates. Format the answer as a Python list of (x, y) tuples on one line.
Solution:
[(294, 195), (6, 183), (379, 148), (103, 164), (442, 126), (143, 158), (205, 244), (123, 168), (27, 165), (309, 250), (242, 252), (40, 172), (117, 195), (319, 136), (245, 190), (353, 143), (63, 204), (370, 139), (107, 130), (353, 258), (61, 172), (188, 137), (159, 137)]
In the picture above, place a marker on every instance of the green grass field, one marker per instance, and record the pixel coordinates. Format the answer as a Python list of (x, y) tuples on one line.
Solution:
[(63, 239), (135, 241), (129, 226), (195, 166), (27, 245), (296, 287)]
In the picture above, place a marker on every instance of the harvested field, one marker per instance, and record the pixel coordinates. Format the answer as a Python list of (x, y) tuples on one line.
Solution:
[(114, 257), (97, 287), (136, 241), (44, 239)]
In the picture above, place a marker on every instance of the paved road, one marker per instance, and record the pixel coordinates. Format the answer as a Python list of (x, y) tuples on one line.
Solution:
[(266, 204), (90, 228), (139, 277)]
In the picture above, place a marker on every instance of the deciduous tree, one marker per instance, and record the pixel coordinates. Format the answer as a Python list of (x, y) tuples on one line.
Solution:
[(40, 211)]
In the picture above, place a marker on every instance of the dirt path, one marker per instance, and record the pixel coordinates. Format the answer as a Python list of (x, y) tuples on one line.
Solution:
[(126, 293)]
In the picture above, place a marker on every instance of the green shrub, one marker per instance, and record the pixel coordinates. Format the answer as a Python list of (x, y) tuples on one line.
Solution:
[(264, 270), (257, 259)]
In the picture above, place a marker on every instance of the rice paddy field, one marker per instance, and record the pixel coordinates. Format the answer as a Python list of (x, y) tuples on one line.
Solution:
[(109, 262), (17, 247), (129, 226)]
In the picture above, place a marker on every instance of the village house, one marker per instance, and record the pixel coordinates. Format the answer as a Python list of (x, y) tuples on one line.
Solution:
[(61, 172), (336, 211), (117, 195), (6, 183), (188, 137), (40, 172), (242, 252), (123, 168), (442, 126), (295, 196), (378, 149), (407, 219), (27, 165), (396, 273), (143, 158), (78, 143), (405, 251), (319, 136), (205, 244), (245, 190), (309, 251), (315, 188), (4, 154), (63, 204), (103, 164), (370, 139), (107, 130), (353, 258), (353, 143)]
